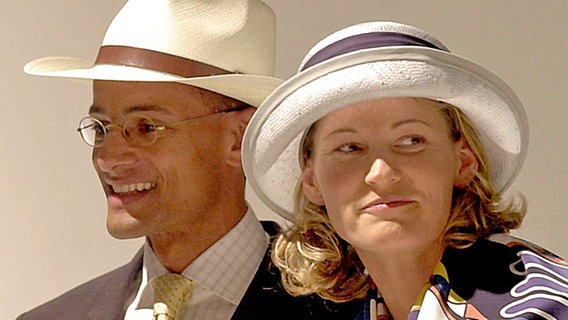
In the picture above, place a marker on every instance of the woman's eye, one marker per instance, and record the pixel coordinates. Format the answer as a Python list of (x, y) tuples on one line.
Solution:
[(348, 148), (412, 141)]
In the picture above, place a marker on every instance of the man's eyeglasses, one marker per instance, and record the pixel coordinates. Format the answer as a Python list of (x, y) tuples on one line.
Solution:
[(137, 130)]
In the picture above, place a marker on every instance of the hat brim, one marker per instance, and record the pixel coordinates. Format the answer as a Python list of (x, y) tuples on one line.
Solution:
[(251, 89), (271, 144)]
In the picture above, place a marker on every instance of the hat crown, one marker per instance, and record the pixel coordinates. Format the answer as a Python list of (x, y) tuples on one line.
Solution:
[(224, 46), (235, 35), (370, 35)]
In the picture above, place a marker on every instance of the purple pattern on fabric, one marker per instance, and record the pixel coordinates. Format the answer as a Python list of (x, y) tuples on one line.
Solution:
[(530, 258), (538, 283), (543, 292), (535, 305), (413, 316)]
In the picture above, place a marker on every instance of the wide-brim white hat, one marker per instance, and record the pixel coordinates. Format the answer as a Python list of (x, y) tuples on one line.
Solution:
[(370, 61), (225, 46)]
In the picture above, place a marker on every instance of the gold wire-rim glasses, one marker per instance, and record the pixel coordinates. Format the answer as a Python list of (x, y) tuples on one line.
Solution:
[(139, 130)]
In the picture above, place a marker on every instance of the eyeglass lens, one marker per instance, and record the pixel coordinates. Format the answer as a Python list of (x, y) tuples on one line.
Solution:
[(138, 130)]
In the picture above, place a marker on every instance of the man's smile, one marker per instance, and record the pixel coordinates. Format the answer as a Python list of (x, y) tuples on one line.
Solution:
[(132, 187)]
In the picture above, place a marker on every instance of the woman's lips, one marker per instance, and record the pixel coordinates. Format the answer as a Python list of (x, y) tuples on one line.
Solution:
[(388, 203)]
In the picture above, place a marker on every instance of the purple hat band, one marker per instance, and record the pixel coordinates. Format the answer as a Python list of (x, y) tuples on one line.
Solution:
[(367, 41)]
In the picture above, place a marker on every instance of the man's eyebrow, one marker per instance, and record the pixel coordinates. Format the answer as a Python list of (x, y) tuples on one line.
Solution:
[(134, 109), (144, 108)]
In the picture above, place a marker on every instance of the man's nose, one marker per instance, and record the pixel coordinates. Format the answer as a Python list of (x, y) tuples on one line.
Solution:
[(114, 152)]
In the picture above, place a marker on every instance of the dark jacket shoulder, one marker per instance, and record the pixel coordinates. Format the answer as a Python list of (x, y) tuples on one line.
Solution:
[(104, 297), (267, 299)]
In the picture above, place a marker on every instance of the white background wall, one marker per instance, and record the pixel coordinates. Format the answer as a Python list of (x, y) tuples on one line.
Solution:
[(52, 210)]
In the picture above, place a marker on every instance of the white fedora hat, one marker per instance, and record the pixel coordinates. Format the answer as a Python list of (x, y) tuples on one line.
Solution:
[(226, 46), (371, 61)]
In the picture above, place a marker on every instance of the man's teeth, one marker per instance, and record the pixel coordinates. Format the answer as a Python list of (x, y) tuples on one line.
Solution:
[(124, 188)]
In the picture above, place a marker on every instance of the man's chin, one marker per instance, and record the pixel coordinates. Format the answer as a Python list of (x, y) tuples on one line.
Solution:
[(123, 234), (121, 225)]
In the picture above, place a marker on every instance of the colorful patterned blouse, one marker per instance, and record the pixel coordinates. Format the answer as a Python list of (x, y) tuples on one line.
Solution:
[(500, 278)]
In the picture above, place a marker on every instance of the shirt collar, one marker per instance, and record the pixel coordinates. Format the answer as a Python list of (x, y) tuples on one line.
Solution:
[(228, 266)]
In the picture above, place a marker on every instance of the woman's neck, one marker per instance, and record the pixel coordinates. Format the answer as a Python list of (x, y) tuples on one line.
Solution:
[(401, 276)]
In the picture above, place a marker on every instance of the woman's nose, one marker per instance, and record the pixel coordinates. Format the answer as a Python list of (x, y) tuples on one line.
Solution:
[(382, 174)]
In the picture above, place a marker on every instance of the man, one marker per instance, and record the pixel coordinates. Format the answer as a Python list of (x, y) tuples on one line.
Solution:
[(175, 83)]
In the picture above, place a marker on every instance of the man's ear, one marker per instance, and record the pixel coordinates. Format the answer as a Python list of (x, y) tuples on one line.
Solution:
[(468, 165), (237, 130), (309, 185)]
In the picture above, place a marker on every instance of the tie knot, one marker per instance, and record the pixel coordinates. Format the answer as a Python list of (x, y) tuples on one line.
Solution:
[(170, 290)]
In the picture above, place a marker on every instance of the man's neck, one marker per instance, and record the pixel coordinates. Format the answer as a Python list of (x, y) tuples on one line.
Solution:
[(178, 248)]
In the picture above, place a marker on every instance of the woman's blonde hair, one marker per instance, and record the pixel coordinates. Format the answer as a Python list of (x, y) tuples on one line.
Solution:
[(312, 258)]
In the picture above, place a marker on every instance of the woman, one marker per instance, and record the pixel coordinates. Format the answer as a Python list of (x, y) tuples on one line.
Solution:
[(402, 152)]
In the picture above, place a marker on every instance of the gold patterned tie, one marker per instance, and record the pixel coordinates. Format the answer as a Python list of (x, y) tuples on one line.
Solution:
[(170, 291)]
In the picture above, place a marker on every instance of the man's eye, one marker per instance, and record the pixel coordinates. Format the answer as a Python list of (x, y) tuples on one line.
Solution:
[(97, 128), (145, 126)]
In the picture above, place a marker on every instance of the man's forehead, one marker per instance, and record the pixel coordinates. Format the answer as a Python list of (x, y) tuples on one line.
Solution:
[(127, 97), (145, 85)]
